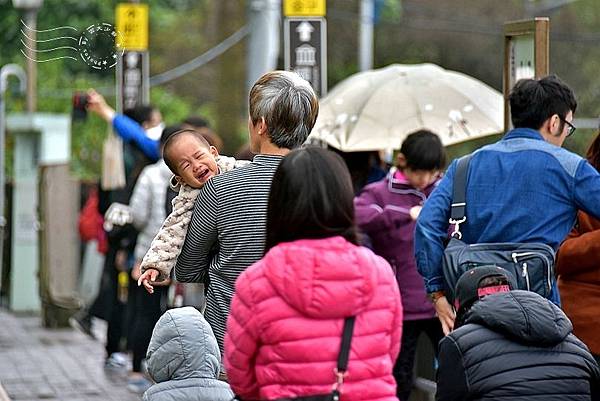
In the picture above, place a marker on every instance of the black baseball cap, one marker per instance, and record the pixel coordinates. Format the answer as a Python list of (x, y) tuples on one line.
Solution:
[(468, 286)]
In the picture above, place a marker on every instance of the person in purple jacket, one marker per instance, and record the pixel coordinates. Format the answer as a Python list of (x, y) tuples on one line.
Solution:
[(386, 211)]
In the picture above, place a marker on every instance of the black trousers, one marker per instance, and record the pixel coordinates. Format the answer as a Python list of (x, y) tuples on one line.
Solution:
[(107, 305), (404, 367), (146, 310)]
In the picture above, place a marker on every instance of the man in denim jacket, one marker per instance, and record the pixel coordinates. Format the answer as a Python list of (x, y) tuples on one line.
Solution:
[(523, 188)]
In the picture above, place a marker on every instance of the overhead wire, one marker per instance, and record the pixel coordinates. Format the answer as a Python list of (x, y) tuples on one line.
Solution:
[(461, 26), (169, 75)]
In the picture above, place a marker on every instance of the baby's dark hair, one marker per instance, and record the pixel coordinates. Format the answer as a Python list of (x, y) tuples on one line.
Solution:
[(423, 150), (167, 132), (173, 138)]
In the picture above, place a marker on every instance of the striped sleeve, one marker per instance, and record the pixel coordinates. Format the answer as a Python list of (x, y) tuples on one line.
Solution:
[(193, 261)]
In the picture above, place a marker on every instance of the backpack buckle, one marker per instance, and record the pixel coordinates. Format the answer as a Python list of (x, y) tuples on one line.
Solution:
[(457, 222)]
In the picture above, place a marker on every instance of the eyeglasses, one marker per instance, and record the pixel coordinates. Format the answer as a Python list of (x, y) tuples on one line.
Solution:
[(572, 128)]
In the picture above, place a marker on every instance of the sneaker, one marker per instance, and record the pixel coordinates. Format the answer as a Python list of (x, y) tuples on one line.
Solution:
[(138, 385), (82, 322), (116, 361)]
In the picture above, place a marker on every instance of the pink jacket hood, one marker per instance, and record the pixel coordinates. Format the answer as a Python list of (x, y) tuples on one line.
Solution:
[(303, 274)]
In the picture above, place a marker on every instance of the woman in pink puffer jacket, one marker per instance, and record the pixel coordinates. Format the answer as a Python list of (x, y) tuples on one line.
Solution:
[(285, 325)]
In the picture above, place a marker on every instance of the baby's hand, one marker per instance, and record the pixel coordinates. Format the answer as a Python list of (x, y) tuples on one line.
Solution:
[(149, 276)]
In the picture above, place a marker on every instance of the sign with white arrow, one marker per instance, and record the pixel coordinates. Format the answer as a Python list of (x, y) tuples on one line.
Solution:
[(133, 74), (305, 50), (304, 30)]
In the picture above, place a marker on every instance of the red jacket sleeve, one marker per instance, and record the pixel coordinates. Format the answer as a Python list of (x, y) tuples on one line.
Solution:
[(580, 252), (241, 342)]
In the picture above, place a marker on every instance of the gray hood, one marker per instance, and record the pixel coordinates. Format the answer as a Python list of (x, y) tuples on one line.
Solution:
[(183, 346), (524, 316)]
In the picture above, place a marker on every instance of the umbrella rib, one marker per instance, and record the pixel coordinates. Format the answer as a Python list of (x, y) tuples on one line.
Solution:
[(417, 109)]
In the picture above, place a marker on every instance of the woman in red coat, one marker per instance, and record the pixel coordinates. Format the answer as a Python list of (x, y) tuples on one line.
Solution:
[(578, 267), (285, 326)]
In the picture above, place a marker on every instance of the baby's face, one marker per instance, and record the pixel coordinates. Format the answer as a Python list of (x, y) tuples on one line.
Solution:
[(195, 163)]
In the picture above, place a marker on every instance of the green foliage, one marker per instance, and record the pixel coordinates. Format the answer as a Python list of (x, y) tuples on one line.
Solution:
[(174, 109), (392, 10), (59, 79), (462, 35)]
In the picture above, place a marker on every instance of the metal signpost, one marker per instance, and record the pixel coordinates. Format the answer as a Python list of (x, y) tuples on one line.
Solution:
[(133, 66), (133, 80), (305, 41), (526, 54)]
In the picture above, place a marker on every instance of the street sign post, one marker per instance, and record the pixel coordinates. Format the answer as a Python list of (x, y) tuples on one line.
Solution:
[(132, 22), (526, 54), (305, 43), (133, 79), (133, 66), (304, 8)]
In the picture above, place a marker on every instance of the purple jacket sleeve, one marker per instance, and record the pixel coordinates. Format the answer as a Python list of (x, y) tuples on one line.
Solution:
[(131, 131), (373, 216)]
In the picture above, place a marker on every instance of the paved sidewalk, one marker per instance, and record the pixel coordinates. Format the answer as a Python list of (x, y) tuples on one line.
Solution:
[(42, 364)]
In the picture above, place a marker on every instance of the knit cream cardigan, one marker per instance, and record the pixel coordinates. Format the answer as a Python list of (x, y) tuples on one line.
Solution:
[(166, 245)]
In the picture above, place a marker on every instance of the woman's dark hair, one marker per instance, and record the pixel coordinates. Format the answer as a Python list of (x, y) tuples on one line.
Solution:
[(533, 101), (311, 197), (593, 153), (140, 114), (423, 150)]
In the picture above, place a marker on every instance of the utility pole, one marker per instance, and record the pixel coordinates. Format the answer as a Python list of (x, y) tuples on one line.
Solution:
[(365, 43), (263, 45), (5, 72), (231, 100), (30, 8), (31, 21)]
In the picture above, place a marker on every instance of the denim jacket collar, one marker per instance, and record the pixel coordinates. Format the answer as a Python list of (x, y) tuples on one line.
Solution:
[(523, 133)]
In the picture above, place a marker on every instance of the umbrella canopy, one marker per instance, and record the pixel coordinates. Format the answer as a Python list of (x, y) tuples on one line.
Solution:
[(377, 109)]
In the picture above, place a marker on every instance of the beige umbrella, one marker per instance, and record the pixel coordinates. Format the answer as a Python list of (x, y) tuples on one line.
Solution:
[(377, 109)]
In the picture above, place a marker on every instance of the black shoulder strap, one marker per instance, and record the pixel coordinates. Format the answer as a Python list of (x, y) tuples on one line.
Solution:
[(459, 194), (344, 355)]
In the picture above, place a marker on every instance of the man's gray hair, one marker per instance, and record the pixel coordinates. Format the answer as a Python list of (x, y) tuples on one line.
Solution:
[(288, 104)]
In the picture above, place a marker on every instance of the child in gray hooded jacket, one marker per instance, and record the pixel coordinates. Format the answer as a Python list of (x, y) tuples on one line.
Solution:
[(184, 359)]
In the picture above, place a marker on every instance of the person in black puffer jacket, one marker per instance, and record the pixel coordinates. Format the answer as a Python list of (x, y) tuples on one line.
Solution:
[(512, 345)]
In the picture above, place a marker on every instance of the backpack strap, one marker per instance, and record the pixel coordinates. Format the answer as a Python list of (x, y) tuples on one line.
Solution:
[(344, 355), (459, 195)]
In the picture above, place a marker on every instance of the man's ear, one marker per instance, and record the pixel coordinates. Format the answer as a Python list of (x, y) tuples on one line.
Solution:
[(401, 160), (554, 125), (262, 126), (214, 151)]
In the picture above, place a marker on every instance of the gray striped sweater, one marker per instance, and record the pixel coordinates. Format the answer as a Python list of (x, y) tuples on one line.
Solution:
[(230, 217)]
